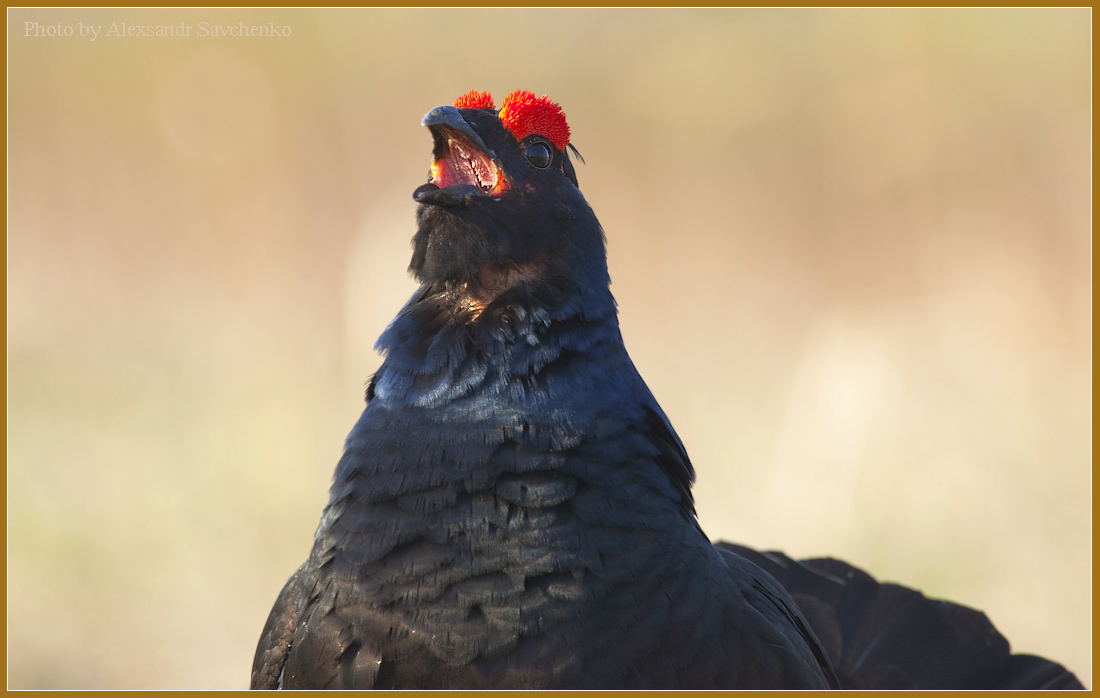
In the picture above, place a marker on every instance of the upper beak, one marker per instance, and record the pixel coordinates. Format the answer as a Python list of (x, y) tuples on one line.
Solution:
[(451, 118)]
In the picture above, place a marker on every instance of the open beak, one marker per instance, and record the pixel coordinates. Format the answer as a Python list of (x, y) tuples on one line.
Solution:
[(463, 166)]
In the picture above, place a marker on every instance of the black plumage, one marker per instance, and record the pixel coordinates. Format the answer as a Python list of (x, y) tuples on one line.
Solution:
[(887, 636), (513, 508)]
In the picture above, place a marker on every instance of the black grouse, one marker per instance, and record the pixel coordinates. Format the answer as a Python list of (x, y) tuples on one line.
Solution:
[(513, 508)]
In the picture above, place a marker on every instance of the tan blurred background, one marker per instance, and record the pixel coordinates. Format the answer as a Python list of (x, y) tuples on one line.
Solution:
[(852, 252)]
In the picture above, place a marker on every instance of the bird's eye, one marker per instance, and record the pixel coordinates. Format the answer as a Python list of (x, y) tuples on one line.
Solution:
[(538, 155)]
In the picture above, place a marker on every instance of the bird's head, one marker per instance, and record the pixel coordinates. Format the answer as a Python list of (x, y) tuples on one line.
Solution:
[(501, 204)]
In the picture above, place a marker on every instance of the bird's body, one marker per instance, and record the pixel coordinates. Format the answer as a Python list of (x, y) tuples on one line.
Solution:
[(513, 508), (486, 530)]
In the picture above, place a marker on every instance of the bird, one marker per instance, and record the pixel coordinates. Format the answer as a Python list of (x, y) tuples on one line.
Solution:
[(513, 508)]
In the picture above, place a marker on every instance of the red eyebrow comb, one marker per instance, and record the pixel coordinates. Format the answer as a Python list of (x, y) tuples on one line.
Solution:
[(524, 113), (475, 100)]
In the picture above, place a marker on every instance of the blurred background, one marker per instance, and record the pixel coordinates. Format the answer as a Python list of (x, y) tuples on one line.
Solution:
[(851, 249)]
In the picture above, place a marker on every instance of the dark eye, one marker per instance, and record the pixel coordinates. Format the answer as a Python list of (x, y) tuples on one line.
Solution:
[(538, 155)]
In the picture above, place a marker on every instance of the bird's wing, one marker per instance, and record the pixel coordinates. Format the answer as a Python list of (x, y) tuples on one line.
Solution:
[(886, 636), (1026, 671), (767, 595), (309, 641), (278, 633)]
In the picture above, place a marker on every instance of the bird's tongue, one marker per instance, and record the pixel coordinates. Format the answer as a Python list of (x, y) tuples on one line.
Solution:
[(464, 164)]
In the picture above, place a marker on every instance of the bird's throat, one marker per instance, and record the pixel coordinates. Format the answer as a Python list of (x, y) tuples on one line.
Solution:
[(493, 282)]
